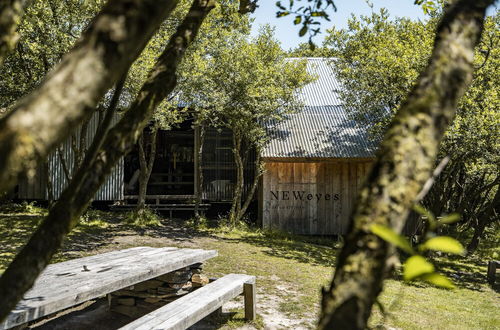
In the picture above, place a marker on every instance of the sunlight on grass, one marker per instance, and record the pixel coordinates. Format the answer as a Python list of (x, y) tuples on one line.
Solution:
[(290, 268)]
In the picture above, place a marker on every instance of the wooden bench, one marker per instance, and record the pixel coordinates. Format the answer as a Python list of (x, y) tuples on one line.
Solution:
[(191, 308), (73, 282), (491, 275)]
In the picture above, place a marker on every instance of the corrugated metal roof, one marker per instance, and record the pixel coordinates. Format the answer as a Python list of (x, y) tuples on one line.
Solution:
[(322, 129), (325, 89)]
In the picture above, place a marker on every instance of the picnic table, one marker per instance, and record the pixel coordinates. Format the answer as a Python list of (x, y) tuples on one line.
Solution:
[(70, 283)]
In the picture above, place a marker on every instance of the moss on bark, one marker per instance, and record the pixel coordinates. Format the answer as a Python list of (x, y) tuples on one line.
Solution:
[(404, 162)]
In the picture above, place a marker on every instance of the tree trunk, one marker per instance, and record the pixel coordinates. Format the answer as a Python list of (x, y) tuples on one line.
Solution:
[(64, 164), (199, 188), (50, 189), (146, 167), (97, 164), (404, 162), (40, 121), (484, 219), (255, 183), (236, 204)]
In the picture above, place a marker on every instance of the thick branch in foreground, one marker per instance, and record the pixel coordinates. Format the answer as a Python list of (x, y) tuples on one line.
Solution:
[(10, 15), (70, 92), (64, 215), (404, 163)]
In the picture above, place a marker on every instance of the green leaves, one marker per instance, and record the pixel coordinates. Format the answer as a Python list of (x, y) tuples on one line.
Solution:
[(303, 31), (444, 244), (450, 218), (390, 236), (416, 266)]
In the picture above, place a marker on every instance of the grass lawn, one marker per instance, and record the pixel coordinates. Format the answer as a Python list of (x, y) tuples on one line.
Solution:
[(290, 271)]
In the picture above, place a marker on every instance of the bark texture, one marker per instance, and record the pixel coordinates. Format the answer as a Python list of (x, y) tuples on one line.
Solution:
[(10, 16), (146, 167), (70, 92), (238, 206), (404, 163), (97, 164)]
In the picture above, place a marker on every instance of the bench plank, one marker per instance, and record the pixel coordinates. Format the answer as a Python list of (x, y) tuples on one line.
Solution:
[(191, 308), (67, 284)]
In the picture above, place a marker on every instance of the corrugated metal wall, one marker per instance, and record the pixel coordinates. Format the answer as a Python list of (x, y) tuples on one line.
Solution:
[(112, 189)]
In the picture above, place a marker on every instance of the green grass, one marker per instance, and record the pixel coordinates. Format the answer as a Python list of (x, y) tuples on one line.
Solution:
[(290, 268)]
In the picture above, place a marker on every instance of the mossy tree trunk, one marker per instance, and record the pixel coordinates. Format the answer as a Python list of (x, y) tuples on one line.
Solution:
[(104, 153), (404, 162), (146, 167)]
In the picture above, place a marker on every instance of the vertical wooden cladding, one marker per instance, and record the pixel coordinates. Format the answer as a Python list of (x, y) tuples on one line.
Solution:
[(312, 198)]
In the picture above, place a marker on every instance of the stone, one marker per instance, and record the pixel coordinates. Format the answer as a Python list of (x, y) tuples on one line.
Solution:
[(150, 284), (199, 280), (179, 276), (125, 301), (152, 300), (131, 311), (196, 266)]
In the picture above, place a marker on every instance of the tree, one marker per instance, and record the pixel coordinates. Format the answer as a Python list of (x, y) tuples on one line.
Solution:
[(238, 84), (43, 119), (386, 198), (378, 60), (105, 151), (404, 163)]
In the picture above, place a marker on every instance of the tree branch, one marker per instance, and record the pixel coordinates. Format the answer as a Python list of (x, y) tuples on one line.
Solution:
[(70, 92), (64, 215), (404, 163)]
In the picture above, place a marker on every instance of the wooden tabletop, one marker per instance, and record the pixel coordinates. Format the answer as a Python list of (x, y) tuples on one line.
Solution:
[(72, 282)]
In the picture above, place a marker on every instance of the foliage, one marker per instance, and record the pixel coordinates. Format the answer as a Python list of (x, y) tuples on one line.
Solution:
[(48, 29), (378, 60), (417, 267), (24, 207), (311, 14), (145, 217), (308, 15), (239, 83)]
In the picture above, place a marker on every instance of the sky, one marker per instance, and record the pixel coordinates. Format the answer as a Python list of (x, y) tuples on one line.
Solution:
[(287, 33)]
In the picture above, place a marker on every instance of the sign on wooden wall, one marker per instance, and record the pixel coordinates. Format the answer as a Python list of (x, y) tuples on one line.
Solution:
[(310, 198)]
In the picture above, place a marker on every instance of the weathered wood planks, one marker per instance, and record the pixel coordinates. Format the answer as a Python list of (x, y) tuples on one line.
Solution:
[(313, 198), (72, 282), (189, 309)]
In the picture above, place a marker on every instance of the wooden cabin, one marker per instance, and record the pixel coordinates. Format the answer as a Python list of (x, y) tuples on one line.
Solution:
[(315, 162)]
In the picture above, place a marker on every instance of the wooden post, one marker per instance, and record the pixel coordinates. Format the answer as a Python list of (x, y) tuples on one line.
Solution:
[(492, 271), (250, 299)]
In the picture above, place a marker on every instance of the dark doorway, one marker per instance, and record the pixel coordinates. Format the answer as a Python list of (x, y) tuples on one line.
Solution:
[(173, 170)]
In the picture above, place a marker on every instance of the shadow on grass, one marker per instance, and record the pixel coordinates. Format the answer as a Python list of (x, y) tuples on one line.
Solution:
[(308, 250), (96, 229), (174, 230)]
